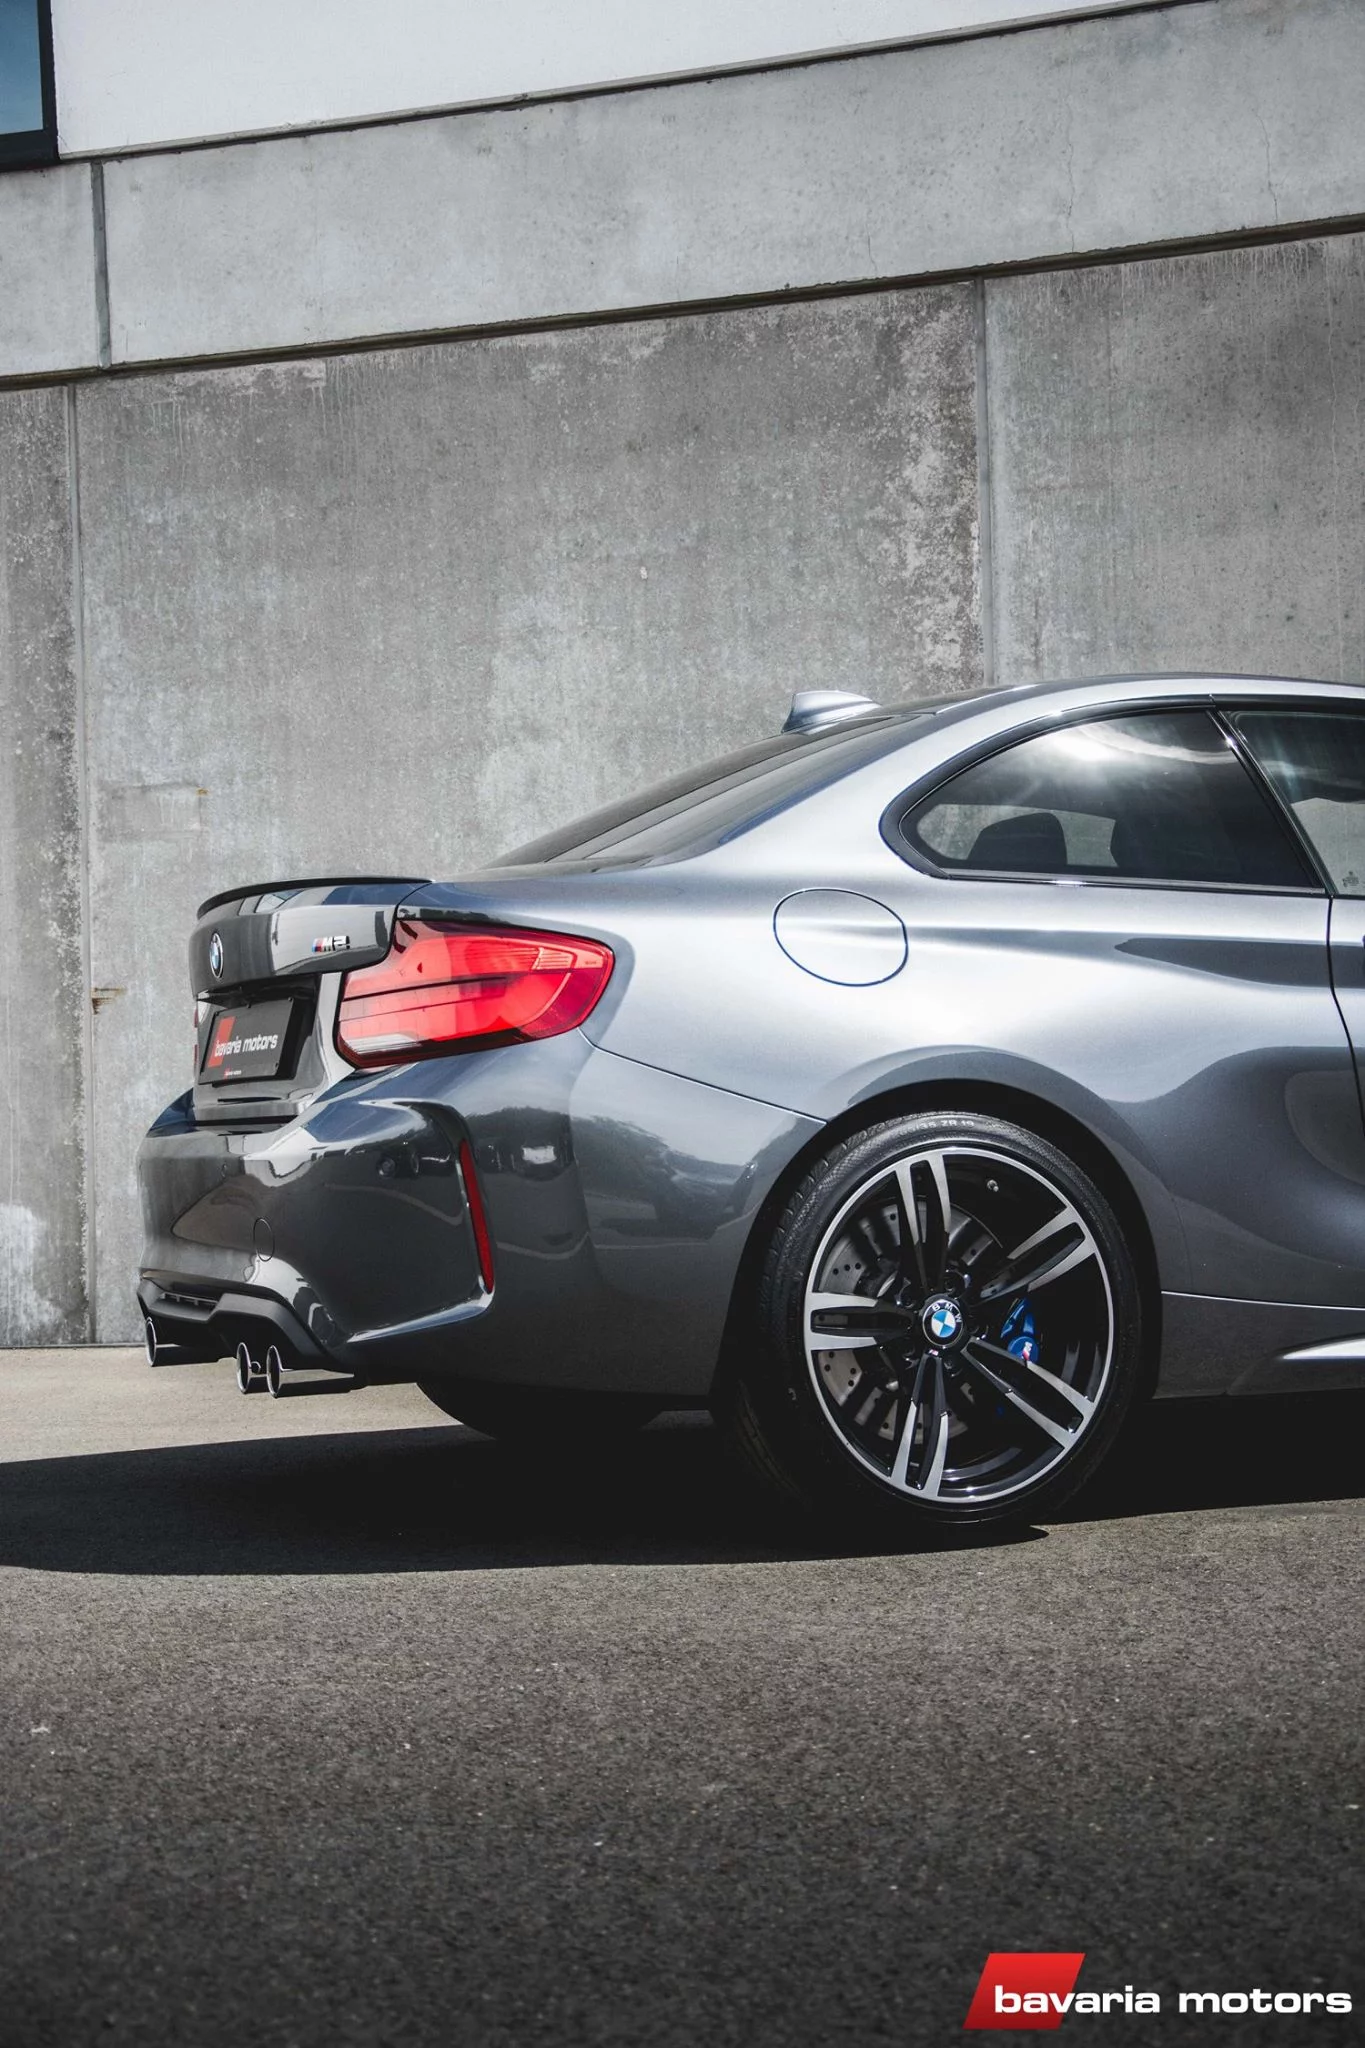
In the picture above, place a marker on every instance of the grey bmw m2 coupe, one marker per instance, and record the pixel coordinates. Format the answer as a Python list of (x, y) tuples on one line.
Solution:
[(919, 1088)]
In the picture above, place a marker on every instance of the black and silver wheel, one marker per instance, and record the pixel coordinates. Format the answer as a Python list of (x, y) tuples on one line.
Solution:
[(948, 1326)]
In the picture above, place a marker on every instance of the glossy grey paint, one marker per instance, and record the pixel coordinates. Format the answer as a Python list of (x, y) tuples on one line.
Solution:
[(619, 1200), (1194, 1033)]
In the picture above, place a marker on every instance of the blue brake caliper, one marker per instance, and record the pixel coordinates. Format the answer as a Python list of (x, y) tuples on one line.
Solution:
[(1017, 1332)]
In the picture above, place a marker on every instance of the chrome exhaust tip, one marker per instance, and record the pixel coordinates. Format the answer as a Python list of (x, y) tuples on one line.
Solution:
[(248, 1370), (149, 1339), (274, 1372)]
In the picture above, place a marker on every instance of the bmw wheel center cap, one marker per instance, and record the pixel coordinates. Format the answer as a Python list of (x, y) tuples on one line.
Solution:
[(942, 1321)]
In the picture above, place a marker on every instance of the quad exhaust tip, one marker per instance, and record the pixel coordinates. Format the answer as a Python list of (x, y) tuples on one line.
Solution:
[(253, 1372), (179, 1348)]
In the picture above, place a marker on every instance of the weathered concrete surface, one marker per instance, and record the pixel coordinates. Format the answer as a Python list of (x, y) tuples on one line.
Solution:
[(1178, 456), (1096, 135), (47, 272), (401, 610), (42, 983)]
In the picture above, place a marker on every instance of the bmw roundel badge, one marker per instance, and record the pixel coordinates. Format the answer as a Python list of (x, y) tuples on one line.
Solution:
[(216, 956), (942, 1320)]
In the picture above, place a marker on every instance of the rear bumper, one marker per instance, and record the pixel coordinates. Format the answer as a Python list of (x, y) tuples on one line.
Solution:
[(618, 1200), (186, 1327)]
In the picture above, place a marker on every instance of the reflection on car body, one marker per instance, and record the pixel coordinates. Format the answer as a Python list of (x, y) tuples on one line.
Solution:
[(919, 1088)]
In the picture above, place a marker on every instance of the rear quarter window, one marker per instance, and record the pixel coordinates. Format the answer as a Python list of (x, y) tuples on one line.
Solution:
[(1157, 796)]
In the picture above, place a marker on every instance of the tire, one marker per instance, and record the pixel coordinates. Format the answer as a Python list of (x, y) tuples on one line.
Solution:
[(542, 1418), (1007, 1330)]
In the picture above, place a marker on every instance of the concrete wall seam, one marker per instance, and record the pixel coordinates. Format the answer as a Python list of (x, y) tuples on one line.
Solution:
[(984, 487), (103, 349), (81, 766), (42, 1297)]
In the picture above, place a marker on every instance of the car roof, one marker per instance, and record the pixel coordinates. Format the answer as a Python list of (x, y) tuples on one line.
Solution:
[(894, 746), (1080, 692)]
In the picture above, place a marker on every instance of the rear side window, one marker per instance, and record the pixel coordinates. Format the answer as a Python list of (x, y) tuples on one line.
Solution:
[(709, 802), (1316, 761), (1158, 796)]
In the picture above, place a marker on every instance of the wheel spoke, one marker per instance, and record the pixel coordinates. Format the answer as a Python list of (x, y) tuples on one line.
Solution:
[(923, 1473), (905, 1438), (1061, 1244), (1006, 1361), (996, 1366), (1082, 1403), (928, 1241), (852, 1322), (933, 1479)]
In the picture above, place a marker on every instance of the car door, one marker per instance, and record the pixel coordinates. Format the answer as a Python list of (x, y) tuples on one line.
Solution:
[(1127, 906), (1314, 758)]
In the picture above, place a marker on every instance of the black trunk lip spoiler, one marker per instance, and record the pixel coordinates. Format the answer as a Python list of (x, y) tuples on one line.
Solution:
[(311, 882)]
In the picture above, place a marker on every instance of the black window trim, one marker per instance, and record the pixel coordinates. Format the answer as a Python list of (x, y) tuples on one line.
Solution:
[(1229, 716), (26, 149), (916, 792)]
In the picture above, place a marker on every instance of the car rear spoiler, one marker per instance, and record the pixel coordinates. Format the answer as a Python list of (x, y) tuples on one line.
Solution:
[(311, 882)]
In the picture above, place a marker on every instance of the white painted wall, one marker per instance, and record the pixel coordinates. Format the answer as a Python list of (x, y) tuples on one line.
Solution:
[(131, 73)]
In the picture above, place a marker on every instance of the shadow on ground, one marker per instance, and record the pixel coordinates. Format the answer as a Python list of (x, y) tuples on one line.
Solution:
[(446, 1499)]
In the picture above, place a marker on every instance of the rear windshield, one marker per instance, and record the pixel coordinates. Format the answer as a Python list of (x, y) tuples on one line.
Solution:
[(707, 804)]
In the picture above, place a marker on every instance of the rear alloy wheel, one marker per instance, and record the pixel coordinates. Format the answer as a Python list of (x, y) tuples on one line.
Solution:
[(949, 1327)]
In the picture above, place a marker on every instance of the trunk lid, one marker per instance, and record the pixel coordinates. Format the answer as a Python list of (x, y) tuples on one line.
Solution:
[(266, 964)]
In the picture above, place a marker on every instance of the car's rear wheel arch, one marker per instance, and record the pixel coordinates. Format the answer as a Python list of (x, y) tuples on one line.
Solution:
[(1012, 1105)]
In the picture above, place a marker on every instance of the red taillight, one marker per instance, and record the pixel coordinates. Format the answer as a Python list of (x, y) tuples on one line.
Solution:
[(445, 990)]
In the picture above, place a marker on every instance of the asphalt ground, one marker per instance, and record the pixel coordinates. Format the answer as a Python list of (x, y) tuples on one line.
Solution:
[(327, 1721)]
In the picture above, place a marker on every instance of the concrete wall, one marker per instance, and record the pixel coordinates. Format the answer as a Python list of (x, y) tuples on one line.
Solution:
[(1178, 454), (1098, 135), (1123, 131), (43, 1005), (404, 606), (404, 610), (49, 318)]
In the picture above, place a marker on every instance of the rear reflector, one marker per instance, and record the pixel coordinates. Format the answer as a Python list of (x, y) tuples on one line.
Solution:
[(449, 989), (474, 1196)]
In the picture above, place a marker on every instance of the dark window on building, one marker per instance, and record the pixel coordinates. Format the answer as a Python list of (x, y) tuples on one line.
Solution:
[(1316, 760), (28, 114), (1156, 797)]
